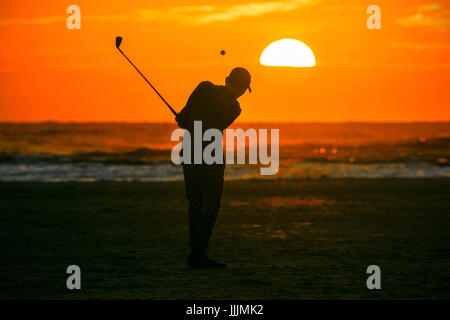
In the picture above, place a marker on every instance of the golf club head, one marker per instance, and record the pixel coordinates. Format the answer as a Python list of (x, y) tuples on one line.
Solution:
[(118, 42)]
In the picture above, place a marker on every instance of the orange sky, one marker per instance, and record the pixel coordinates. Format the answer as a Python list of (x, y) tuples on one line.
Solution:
[(399, 73)]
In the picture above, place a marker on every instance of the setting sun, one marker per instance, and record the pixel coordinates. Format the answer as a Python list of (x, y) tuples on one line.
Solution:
[(288, 53)]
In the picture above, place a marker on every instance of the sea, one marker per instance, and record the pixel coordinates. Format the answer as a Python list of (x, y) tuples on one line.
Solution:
[(59, 152)]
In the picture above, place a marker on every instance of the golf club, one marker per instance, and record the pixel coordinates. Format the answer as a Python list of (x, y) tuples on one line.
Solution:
[(118, 43)]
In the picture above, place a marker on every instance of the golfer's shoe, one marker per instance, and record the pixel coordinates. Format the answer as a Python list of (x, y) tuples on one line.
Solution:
[(210, 263), (204, 263)]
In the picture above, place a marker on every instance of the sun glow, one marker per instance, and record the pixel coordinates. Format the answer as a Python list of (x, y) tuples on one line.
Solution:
[(288, 53)]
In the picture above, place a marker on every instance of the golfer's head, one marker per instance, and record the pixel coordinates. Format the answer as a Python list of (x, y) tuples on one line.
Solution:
[(238, 81)]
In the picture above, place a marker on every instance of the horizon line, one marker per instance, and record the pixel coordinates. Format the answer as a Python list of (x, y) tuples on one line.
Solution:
[(239, 122)]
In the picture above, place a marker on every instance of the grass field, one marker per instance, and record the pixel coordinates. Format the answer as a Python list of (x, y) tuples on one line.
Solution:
[(282, 240)]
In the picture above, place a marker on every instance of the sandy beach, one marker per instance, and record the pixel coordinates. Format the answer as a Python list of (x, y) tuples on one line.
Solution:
[(283, 239)]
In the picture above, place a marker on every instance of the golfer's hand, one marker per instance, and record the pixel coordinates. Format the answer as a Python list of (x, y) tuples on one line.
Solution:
[(178, 120)]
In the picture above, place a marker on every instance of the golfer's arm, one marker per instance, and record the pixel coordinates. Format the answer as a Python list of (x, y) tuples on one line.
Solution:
[(184, 115), (230, 117)]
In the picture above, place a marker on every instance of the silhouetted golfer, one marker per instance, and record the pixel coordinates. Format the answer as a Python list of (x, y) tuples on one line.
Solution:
[(217, 107)]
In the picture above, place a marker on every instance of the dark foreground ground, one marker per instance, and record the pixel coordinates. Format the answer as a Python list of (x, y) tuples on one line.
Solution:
[(281, 239)]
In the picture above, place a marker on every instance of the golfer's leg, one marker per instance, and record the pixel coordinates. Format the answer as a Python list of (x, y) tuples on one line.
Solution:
[(212, 188), (194, 203)]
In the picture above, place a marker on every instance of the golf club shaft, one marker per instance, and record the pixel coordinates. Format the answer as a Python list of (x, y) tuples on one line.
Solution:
[(171, 109)]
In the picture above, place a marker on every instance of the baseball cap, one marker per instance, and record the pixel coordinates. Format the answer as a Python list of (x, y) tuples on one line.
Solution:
[(240, 77)]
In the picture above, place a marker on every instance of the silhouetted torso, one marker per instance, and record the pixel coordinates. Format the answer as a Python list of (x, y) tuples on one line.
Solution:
[(212, 104)]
